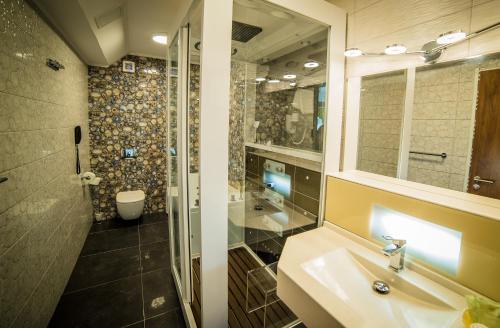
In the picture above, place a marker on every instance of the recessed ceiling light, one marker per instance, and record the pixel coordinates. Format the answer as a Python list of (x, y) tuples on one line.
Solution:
[(260, 79), (353, 52), (273, 81), (451, 37), (311, 64), (395, 49), (160, 38), (289, 76)]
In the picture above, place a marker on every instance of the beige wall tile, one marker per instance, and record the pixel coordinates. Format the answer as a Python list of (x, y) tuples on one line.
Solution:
[(432, 144), (437, 93), (464, 110), (435, 110), (433, 128), (392, 15), (38, 110), (457, 182), (430, 177)]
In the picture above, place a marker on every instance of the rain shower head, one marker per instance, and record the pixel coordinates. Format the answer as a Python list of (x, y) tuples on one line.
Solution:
[(244, 32)]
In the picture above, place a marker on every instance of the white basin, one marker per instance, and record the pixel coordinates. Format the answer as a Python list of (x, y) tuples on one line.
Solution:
[(326, 279)]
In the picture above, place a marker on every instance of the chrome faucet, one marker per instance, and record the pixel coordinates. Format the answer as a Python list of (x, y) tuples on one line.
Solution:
[(396, 252)]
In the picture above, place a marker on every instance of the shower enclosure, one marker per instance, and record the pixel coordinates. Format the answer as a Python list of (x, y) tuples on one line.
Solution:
[(267, 82)]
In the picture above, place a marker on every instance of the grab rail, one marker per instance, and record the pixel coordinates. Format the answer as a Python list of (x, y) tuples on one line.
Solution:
[(442, 155)]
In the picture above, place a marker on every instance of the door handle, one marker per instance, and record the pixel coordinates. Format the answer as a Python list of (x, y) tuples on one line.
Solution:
[(477, 179)]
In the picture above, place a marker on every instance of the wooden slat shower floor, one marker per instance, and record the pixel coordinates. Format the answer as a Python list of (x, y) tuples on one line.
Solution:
[(240, 262)]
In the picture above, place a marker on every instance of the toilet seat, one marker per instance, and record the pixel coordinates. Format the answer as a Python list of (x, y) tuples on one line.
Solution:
[(130, 196)]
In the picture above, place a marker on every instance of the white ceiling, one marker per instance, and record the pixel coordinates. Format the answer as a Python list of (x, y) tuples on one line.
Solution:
[(132, 23), (129, 34)]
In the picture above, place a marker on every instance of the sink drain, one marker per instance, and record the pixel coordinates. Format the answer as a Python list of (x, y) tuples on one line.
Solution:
[(381, 287)]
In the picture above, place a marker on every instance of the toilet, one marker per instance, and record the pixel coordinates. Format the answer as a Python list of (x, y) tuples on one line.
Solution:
[(130, 204)]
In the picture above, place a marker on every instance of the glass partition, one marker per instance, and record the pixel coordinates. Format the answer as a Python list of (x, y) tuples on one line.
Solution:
[(276, 129), (183, 169), (172, 142)]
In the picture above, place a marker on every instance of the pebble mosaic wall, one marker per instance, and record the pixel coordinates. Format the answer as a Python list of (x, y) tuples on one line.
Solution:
[(236, 122), (127, 110)]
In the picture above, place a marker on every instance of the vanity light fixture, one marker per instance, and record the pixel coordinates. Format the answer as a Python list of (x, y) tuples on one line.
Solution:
[(431, 51), (289, 76), (311, 64), (292, 84), (260, 79), (395, 49), (160, 38), (451, 37), (353, 52), (274, 81)]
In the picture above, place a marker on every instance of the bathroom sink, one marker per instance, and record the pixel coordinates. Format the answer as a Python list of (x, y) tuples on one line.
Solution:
[(350, 276), (326, 279)]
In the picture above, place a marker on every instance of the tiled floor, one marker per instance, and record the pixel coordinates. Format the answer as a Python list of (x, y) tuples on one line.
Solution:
[(122, 278)]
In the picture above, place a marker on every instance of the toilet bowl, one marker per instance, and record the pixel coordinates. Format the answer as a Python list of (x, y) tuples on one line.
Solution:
[(130, 204)]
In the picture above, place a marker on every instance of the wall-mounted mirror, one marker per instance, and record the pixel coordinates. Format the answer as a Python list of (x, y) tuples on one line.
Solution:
[(439, 125)]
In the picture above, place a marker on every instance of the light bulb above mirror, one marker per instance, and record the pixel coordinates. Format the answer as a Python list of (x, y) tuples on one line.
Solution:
[(353, 52), (451, 37), (395, 49)]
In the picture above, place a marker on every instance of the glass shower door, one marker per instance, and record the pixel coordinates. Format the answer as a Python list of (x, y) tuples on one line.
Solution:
[(177, 163)]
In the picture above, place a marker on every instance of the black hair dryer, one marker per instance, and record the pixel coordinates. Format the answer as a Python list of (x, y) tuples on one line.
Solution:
[(78, 139)]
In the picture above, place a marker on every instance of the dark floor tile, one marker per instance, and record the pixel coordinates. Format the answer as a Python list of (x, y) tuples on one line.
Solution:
[(115, 304), (153, 218), (99, 268), (110, 240), (172, 319), (155, 256), (152, 233), (116, 223), (159, 292)]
